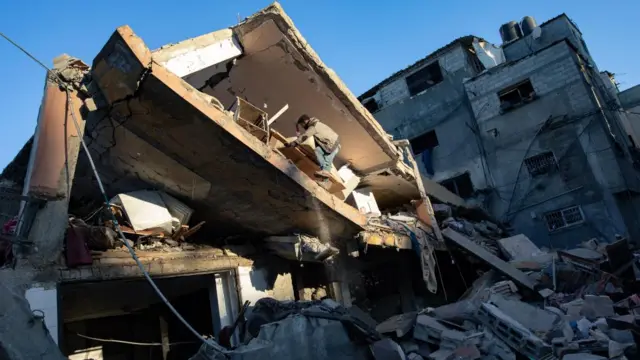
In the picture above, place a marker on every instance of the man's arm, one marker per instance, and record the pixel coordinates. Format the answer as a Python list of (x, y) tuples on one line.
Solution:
[(311, 131)]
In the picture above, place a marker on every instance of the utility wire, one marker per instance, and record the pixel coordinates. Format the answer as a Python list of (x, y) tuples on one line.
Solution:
[(64, 85), (132, 342)]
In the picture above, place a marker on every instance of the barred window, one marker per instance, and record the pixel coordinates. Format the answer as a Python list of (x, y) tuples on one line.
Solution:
[(541, 163), (563, 218)]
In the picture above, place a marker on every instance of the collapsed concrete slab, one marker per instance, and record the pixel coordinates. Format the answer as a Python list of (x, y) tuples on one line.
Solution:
[(168, 126), (251, 186)]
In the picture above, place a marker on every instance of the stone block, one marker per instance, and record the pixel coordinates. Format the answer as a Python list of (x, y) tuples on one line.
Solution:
[(387, 349), (441, 354), (399, 325), (597, 307), (428, 329)]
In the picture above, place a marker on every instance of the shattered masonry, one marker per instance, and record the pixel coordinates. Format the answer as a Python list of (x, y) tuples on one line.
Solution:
[(250, 247)]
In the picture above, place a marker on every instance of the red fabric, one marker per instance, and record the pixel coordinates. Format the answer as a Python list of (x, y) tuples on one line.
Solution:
[(77, 250)]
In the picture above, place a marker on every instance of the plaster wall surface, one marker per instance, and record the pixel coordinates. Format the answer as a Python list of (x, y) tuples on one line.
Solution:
[(443, 108), (563, 119), (45, 299), (551, 31)]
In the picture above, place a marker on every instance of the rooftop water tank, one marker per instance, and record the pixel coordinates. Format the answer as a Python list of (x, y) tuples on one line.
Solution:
[(527, 25), (510, 31)]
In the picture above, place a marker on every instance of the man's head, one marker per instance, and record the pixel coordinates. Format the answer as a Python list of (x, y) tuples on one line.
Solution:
[(304, 121)]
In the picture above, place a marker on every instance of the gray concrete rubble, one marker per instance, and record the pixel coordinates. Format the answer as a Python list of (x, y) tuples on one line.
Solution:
[(505, 313)]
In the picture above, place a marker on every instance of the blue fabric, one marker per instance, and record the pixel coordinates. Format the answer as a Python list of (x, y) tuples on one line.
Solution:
[(427, 161), (415, 244), (326, 160)]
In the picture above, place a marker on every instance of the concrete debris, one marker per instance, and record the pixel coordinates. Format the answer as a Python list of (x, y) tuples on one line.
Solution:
[(301, 248), (399, 325), (387, 349), (519, 247), (597, 307)]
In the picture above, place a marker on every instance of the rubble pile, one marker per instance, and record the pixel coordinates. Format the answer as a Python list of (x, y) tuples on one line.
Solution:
[(594, 314), (149, 220)]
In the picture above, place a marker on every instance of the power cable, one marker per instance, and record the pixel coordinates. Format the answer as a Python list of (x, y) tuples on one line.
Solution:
[(64, 85), (132, 342)]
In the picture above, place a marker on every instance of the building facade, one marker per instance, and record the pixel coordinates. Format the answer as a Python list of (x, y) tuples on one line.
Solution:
[(531, 130)]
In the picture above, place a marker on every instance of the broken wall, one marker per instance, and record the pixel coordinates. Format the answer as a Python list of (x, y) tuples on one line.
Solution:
[(277, 68), (442, 108), (252, 188)]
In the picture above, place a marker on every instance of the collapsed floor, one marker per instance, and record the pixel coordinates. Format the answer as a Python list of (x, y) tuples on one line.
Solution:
[(204, 186)]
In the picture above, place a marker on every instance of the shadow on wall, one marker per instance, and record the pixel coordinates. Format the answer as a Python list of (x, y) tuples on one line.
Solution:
[(266, 270)]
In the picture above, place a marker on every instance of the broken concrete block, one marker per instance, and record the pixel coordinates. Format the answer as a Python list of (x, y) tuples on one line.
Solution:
[(428, 329), (621, 336), (399, 325), (441, 354), (490, 344), (461, 309), (387, 349), (423, 349), (452, 339), (538, 321), (597, 307), (362, 316), (520, 278), (467, 352), (409, 346), (512, 332), (414, 356), (583, 356), (442, 211), (617, 349), (331, 304), (519, 247), (572, 309), (505, 286)]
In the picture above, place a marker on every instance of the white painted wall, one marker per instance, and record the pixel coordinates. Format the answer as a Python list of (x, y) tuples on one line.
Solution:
[(45, 298), (190, 59)]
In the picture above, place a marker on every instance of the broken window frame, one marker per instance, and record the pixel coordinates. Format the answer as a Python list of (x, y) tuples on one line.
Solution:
[(562, 216), (454, 184), (540, 164), (425, 78), (366, 103), (476, 64), (428, 138), (517, 92)]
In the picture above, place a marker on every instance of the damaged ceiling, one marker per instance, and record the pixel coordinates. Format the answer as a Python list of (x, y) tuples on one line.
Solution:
[(277, 67)]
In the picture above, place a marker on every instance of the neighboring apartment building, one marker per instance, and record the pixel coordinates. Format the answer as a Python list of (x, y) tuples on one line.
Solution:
[(531, 130)]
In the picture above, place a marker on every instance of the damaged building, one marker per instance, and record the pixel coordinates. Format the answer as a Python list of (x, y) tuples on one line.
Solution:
[(530, 129), (160, 209), (189, 143)]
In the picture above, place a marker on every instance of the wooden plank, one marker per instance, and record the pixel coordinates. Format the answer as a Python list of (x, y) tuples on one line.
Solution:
[(495, 262), (309, 167)]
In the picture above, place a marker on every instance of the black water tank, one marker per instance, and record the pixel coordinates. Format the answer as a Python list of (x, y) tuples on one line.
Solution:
[(510, 31), (527, 25)]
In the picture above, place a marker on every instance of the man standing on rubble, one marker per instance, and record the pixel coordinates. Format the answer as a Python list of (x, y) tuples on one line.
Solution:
[(326, 141)]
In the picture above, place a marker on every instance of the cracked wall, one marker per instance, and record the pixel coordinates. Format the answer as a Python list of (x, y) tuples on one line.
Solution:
[(253, 189)]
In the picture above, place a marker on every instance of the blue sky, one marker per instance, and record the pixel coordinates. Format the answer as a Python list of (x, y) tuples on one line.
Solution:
[(363, 42)]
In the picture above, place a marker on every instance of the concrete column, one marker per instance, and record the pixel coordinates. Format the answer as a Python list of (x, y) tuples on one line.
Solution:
[(341, 293), (52, 164)]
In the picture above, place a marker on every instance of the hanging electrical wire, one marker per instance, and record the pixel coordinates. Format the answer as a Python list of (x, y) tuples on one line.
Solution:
[(65, 86)]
